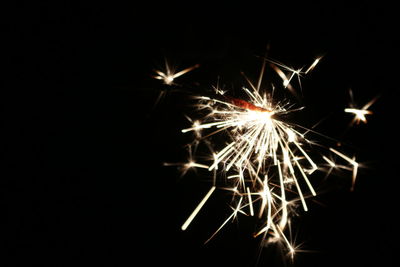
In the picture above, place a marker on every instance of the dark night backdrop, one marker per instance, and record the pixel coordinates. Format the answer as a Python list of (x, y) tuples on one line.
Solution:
[(83, 148)]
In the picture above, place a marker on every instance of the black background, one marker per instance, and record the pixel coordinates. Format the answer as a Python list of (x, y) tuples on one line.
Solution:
[(83, 146)]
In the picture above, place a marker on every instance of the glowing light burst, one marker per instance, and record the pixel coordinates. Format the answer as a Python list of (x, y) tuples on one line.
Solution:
[(267, 160)]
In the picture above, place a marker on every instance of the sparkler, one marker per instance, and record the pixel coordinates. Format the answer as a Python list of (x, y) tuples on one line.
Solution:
[(266, 159)]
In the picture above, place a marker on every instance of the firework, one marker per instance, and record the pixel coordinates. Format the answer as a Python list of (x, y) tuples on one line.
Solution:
[(266, 159)]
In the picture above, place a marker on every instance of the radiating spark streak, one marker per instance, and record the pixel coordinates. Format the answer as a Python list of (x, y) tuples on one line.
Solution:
[(247, 79), (286, 81), (331, 163), (314, 166), (250, 202), (264, 197), (276, 63), (283, 220), (305, 178), (233, 215), (230, 189), (219, 155), (352, 162), (266, 200), (197, 165), (372, 101), (313, 65), (197, 209), (290, 78), (256, 97), (303, 201), (176, 75), (288, 163), (184, 167), (261, 75), (353, 182), (290, 247)]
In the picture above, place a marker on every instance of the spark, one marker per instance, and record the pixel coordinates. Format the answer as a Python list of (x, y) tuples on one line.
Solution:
[(352, 162), (250, 202), (233, 215), (313, 65), (197, 209), (330, 162), (285, 79), (169, 75), (184, 167), (290, 247), (359, 113)]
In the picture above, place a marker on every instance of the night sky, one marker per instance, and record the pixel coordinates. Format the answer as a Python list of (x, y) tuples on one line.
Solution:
[(84, 145)]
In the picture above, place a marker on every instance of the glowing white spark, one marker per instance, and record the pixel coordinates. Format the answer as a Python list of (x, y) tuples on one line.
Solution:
[(197, 209), (169, 75), (313, 65), (352, 162), (359, 114)]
